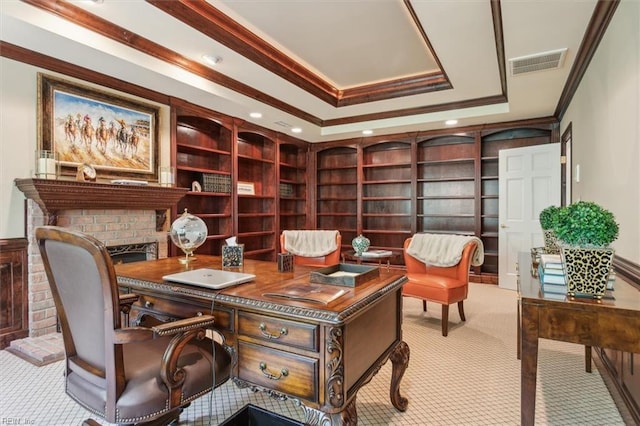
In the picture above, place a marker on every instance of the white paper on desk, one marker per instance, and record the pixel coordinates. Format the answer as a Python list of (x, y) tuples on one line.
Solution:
[(231, 241), (343, 274)]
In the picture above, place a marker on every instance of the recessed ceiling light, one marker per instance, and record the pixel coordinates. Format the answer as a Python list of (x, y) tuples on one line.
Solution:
[(255, 115), (296, 130), (451, 122), (367, 132), (212, 59)]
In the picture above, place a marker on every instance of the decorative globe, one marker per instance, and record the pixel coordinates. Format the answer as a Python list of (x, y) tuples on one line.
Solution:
[(188, 232), (360, 244)]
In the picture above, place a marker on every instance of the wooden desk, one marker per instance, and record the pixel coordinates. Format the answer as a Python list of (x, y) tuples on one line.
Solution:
[(318, 356), (605, 323)]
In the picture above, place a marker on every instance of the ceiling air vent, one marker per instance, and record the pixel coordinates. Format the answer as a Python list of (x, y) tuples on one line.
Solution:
[(282, 123), (537, 62)]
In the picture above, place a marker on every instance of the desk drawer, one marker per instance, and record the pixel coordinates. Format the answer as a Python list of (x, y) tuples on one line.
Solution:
[(289, 333), (281, 371), (169, 309)]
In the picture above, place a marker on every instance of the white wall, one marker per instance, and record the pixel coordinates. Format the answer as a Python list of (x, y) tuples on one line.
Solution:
[(19, 139), (605, 119)]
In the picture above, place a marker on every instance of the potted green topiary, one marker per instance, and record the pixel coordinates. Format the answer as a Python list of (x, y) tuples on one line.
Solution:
[(585, 231), (548, 220)]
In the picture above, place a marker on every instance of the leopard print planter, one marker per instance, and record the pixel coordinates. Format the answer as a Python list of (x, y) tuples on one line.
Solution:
[(550, 241), (587, 270)]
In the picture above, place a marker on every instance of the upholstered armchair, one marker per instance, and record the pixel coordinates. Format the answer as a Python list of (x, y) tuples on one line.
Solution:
[(126, 375), (312, 247), (443, 285)]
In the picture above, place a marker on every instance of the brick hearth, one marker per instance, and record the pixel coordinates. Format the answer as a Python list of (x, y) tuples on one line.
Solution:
[(113, 227)]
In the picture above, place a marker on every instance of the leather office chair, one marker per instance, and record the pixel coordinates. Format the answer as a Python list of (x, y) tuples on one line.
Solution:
[(126, 375), (444, 285), (332, 258)]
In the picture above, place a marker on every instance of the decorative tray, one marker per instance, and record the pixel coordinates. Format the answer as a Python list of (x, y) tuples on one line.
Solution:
[(344, 274)]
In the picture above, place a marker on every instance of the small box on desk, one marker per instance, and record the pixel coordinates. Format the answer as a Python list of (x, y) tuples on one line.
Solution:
[(285, 262), (232, 256), (251, 415), (344, 274)]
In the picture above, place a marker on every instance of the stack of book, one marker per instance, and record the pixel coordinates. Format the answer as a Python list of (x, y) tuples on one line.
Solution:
[(551, 274)]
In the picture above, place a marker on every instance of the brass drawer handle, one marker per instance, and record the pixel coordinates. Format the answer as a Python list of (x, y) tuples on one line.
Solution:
[(265, 333), (283, 372)]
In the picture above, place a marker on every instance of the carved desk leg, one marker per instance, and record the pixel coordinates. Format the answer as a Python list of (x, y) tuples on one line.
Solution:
[(348, 417), (400, 360)]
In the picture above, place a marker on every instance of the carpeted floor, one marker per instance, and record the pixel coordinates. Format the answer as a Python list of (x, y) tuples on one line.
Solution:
[(471, 377)]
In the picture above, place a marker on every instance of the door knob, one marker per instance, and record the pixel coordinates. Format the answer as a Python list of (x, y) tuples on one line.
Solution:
[(503, 226)]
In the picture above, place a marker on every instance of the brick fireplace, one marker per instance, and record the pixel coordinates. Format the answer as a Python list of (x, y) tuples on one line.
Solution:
[(115, 215)]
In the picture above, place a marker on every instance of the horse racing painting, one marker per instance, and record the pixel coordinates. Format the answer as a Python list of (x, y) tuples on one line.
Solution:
[(116, 135)]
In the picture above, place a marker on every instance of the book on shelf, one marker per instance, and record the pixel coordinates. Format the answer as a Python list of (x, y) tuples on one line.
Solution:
[(313, 293), (376, 253)]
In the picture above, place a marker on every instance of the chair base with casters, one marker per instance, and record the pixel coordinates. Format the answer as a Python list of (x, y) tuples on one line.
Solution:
[(143, 374), (443, 285)]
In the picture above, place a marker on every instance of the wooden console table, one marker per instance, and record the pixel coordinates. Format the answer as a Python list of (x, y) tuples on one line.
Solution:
[(317, 355), (605, 323)]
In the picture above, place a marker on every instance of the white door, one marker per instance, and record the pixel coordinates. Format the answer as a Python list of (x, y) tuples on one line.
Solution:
[(529, 181)]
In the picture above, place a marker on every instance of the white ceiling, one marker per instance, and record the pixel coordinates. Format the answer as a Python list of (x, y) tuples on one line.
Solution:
[(347, 44)]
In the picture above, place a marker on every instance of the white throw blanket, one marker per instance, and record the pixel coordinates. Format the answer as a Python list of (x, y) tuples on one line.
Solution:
[(310, 243), (444, 250)]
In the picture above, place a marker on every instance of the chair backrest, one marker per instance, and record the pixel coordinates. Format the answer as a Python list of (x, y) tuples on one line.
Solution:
[(459, 271), (84, 288), (332, 258)]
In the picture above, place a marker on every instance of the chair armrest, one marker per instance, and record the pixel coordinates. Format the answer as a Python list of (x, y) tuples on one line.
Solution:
[(126, 300), (174, 327), (141, 334)]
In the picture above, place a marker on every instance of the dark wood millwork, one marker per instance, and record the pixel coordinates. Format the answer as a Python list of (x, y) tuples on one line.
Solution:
[(338, 193), (208, 20), (219, 152), (298, 75), (444, 181), (203, 151), (598, 24), (97, 24), (255, 214), (293, 188), (14, 294), (624, 367), (386, 200), (55, 195)]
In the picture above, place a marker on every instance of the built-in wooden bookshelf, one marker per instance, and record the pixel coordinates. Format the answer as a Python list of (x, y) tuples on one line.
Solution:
[(256, 213), (386, 194), (386, 188), (337, 188), (446, 184), (204, 155), (292, 190)]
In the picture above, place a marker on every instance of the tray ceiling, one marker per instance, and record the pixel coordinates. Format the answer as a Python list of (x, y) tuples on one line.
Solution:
[(330, 68)]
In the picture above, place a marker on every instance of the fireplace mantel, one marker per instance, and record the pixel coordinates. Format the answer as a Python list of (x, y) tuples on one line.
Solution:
[(55, 195)]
